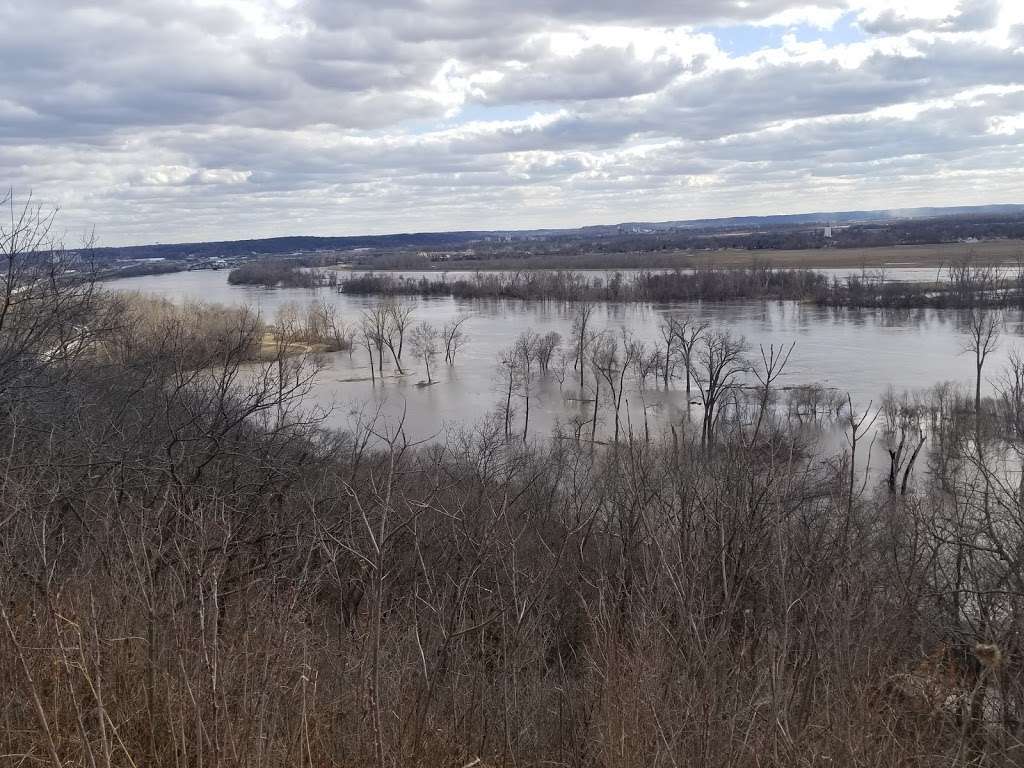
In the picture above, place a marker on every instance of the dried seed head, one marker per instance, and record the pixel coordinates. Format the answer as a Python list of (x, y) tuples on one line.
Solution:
[(988, 654)]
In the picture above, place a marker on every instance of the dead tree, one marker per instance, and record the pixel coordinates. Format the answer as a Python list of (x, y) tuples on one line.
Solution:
[(668, 331), (524, 353), (902, 423), (722, 360), (423, 340), (689, 332), (545, 348), (858, 426), (613, 362), (983, 328), (582, 336), (453, 337), (773, 363), (376, 331), (400, 318)]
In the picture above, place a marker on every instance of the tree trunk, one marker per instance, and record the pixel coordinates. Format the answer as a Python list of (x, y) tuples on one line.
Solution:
[(526, 421), (910, 466), (508, 406), (977, 393)]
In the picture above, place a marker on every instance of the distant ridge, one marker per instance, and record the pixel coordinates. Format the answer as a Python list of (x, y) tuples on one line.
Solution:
[(276, 246), (839, 217)]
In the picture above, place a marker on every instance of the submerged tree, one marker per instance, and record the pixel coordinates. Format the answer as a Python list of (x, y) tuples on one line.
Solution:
[(612, 362), (904, 438), (722, 360), (377, 333), (423, 340), (545, 349), (582, 336), (400, 317), (453, 337), (983, 328), (689, 332)]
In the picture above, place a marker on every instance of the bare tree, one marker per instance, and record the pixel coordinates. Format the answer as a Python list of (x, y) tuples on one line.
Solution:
[(902, 422), (453, 337), (1011, 392), (773, 363), (582, 336), (324, 325), (983, 328), (689, 332), (423, 340), (507, 366), (722, 360), (645, 365), (669, 332), (377, 333), (516, 367), (367, 337), (288, 331), (48, 297), (613, 362), (523, 356), (859, 425), (400, 317), (545, 348)]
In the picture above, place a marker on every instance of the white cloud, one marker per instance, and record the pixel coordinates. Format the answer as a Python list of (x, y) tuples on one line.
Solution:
[(192, 119)]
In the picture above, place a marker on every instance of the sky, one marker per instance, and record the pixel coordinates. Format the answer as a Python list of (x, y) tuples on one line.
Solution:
[(186, 120)]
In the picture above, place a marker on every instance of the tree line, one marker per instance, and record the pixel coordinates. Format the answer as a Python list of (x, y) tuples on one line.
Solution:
[(962, 284), (713, 284)]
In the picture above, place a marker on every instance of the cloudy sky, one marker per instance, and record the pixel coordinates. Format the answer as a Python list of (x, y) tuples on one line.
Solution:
[(171, 120)]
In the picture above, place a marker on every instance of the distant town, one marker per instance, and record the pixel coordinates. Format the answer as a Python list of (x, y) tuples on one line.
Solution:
[(611, 246)]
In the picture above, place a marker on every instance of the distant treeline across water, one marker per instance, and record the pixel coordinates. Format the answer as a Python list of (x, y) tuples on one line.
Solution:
[(962, 285)]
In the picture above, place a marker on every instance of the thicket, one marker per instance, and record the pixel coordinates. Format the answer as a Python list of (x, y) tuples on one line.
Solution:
[(758, 281), (963, 284), (279, 274), (193, 572)]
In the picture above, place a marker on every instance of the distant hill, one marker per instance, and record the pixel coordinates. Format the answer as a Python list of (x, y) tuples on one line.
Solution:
[(283, 246), (835, 217)]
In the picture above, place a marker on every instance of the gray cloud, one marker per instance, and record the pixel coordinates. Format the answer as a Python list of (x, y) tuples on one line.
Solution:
[(970, 15), (163, 119)]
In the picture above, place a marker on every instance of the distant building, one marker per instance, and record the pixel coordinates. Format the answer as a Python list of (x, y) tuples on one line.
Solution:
[(828, 233)]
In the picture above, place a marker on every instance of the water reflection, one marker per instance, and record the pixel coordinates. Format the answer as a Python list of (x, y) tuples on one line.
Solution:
[(852, 350)]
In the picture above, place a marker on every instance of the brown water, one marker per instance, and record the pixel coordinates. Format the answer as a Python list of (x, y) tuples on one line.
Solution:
[(857, 351)]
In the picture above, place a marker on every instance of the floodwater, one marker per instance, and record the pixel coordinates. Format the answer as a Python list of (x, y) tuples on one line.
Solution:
[(860, 352)]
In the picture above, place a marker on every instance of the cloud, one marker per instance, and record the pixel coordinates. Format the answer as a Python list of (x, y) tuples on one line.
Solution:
[(967, 16), (193, 119)]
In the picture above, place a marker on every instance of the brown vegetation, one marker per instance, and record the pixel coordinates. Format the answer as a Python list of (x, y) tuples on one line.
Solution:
[(192, 572)]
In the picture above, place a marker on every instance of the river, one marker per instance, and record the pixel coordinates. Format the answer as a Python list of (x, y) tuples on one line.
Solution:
[(861, 352)]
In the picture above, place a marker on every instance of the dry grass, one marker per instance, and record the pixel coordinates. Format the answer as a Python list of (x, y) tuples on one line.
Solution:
[(270, 348), (991, 252)]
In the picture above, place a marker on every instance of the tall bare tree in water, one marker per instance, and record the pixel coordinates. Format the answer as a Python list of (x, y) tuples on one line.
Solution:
[(423, 341), (983, 329), (453, 337), (582, 336), (400, 317), (689, 332), (722, 359)]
